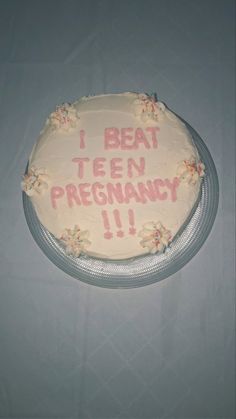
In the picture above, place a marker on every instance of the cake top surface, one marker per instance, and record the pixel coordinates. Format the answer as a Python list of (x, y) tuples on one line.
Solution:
[(114, 176)]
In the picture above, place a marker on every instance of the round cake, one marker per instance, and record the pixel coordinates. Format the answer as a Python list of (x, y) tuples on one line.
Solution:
[(114, 176)]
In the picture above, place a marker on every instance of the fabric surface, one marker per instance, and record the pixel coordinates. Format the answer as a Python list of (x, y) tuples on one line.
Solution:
[(70, 350)]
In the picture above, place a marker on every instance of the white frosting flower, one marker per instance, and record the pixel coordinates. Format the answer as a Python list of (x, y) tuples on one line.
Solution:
[(190, 170), (147, 108), (35, 181), (155, 237), (64, 118), (75, 240)]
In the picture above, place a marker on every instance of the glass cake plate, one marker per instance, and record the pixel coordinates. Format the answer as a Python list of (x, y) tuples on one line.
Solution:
[(142, 270)]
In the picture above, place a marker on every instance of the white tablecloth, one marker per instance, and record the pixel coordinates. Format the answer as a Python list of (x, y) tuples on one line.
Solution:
[(70, 350)]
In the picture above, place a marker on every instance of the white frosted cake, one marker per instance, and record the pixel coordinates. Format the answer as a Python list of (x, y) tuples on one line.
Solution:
[(114, 176)]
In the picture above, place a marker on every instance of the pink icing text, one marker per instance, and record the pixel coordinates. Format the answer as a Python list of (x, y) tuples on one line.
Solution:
[(115, 193), (115, 217), (130, 138), (116, 167)]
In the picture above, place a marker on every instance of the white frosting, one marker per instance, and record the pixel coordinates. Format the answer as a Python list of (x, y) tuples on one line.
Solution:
[(143, 165)]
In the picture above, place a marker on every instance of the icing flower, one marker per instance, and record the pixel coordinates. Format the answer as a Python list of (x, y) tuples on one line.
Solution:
[(147, 108), (155, 237), (75, 240), (190, 170), (65, 117), (35, 181)]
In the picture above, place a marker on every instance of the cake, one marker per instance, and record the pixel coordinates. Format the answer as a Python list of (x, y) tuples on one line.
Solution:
[(114, 176)]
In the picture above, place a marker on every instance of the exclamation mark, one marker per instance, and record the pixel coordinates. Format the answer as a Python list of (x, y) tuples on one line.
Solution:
[(116, 214), (132, 229), (108, 234), (82, 141)]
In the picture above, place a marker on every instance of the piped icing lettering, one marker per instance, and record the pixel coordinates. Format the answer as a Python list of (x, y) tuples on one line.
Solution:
[(120, 232), (132, 229), (81, 165), (84, 191), (131, 195), (130, 138), (147, 192), (126, 138), (141, 139), (72, 194), (116, 193), (135, 168), (99, 197), (153, 131), (98, 167), (172, 186), (111, 137), (115, 218), (107, 234), (158, 184), (56, 193), (116, 167)]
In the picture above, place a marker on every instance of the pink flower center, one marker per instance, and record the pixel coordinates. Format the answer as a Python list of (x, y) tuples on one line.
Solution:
[(157, 237), (62, 115), (149, 105), (191, 167)]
